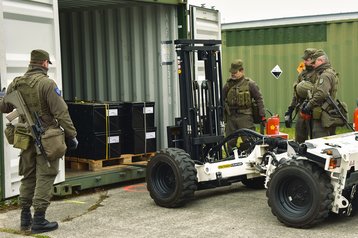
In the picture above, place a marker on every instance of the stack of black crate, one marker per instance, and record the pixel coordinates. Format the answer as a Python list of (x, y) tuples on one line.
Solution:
[(99, 128), (139, 132)]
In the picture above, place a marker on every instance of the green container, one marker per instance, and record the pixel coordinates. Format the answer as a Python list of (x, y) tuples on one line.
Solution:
[(262, 48)]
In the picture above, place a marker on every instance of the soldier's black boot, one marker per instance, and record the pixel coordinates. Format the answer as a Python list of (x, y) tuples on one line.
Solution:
[(40, 224), (25, 219)]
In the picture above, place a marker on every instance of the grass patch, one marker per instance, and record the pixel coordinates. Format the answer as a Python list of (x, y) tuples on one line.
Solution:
[(9, 204), (291, 131), (102, 196), (23, 233)]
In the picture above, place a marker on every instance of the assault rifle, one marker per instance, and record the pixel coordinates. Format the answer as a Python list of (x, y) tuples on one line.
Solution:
[(15, 99), (309, 97), (336, 105)]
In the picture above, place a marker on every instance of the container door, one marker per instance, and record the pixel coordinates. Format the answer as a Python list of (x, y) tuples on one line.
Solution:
[(205, 24), (24, 26)]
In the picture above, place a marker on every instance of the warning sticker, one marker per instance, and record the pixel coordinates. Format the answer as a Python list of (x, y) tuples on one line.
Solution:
[(276, 71), (225, 166)]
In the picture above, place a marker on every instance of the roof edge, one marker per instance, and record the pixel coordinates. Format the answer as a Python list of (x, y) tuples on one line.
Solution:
[(290, 20)]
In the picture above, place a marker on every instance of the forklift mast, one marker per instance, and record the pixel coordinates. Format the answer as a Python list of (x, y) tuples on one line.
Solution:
[(200, 126)]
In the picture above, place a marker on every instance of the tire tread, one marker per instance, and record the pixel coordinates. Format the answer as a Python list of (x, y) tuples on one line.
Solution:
[(326, 193), (188, 174)]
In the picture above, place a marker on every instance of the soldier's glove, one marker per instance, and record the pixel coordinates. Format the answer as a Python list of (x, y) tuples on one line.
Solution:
[(72, 143), (306, 111)]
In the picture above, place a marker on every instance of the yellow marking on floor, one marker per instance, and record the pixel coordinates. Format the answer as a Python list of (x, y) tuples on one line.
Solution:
[(73, 201)]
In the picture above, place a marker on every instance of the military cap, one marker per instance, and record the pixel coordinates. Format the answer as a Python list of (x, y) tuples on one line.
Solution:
[(308, 53), (40, 55), (317, 54), (236, 66)]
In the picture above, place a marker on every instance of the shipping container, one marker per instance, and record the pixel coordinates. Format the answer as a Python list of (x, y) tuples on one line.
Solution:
[(113, 50), (24, 26), (265, 44)]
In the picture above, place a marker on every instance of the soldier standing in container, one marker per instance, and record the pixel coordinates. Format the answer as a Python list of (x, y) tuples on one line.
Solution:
[(305, 81), (41, 95), (238, 94), (326, 84)]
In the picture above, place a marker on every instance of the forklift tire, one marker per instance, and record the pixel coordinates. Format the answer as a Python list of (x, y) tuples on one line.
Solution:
[(171, 178), (354, 206), (255, 183), (299, 194)]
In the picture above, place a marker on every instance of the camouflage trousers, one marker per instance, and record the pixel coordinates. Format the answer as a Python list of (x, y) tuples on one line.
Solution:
[(38, 178), (319, 131), (238, 121)]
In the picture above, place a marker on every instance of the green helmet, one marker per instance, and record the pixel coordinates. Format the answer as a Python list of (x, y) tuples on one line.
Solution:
[(302, 88)]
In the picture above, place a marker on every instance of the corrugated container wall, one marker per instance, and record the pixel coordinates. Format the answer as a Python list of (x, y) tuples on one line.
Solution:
[(264, 48), (122, 53)]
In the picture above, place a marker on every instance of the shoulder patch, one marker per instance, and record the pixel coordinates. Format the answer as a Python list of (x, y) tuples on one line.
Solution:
[(320, 81), (58, 91)]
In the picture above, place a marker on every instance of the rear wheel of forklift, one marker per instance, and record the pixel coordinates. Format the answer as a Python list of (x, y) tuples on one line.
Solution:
[(299, 194), (171, 177)]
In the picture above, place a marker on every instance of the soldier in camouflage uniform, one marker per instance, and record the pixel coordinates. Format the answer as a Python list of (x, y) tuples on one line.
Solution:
[(305, 82), (238, 94), (326, 84), (41, 95)]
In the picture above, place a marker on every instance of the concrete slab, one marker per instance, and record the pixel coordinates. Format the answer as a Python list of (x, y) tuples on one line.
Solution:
[(128, 211)]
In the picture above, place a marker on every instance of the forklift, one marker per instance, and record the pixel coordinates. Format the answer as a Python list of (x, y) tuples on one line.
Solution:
[(305, 182)]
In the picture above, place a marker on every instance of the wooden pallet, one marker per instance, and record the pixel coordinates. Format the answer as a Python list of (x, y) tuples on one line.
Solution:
[(76, 163), (137, 158)]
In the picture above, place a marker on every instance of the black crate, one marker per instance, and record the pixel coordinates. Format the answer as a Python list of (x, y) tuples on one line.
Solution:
[(138, 141), (98, 146), (139, 115), (92, 118)]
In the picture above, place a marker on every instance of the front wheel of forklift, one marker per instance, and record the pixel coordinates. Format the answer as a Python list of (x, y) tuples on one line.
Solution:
[(171, 177)]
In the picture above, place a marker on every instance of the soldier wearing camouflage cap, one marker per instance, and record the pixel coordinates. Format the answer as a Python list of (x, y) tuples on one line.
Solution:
[(239, 92), (326, 84), (38, 56), (42, 97), (304, 82)]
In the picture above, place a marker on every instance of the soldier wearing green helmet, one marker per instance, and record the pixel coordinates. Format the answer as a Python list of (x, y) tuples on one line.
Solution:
[(43, 98), (303, 84)]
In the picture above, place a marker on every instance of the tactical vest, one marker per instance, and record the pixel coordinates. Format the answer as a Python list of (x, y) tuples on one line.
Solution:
[(238, 96), (28, 86), (309, 76)]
